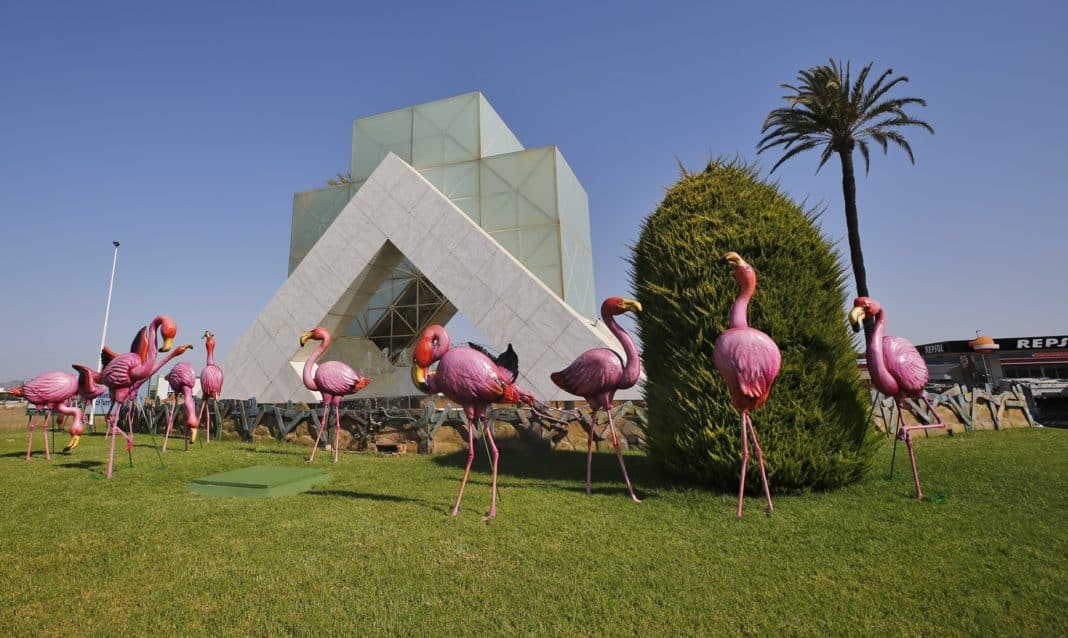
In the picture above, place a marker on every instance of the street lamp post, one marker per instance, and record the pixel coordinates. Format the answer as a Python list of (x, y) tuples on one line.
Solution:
[(984, 345), (104, 336)]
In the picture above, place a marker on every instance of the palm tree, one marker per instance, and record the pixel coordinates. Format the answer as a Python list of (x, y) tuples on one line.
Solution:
[(340, 179), (829, 111)]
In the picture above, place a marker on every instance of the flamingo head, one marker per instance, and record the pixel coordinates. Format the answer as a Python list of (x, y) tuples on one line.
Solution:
[(618, 305), (167, 329), (317, 333), (743, 272), (864, 309), (209, 339), (432, 344)]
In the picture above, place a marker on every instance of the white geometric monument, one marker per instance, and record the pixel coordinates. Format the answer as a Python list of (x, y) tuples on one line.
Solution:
[(401, 242)]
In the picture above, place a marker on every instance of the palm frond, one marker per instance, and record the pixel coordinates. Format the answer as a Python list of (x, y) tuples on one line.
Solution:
[(863, 146)]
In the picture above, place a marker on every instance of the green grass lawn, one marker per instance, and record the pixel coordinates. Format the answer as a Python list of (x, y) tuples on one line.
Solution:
[(374, 552)]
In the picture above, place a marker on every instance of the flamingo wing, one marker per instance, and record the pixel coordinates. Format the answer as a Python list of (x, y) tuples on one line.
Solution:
[(181, 376), (750, 358), (464, 374), (594, 371), (336, 378), (906, 365), (507, 361), (50, 387), (211, 379)]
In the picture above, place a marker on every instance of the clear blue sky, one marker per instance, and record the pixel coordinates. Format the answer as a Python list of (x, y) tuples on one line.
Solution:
[(183, 129)]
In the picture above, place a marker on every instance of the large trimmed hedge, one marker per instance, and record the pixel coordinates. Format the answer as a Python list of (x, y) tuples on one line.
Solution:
[(814, 429)]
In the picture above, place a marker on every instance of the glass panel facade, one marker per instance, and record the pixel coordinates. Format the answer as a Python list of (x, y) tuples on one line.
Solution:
[(375, 137), (458, 182), (313, 212), (494, 135), (577, 249), (445, 132)]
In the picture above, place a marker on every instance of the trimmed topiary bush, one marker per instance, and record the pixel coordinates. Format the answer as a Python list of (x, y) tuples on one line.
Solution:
[(814, 429)]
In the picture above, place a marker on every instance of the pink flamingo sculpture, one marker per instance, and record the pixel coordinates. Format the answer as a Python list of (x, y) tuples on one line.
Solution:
[(332, 379), (182, 378), (897, 370), (124, 374), (598, 373), (49, 391), (749, 361), (211, 383), (471, 378)]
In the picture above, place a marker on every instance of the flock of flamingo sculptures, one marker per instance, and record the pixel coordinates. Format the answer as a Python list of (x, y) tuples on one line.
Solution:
[(475, 378), (121, 377)]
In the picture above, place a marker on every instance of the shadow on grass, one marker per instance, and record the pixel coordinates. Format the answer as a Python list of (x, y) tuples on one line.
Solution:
[(81, 465), (366, 496), (548, 469), (278, 452)]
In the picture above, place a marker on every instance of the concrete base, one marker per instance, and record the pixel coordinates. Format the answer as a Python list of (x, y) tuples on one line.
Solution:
[(259, 480)]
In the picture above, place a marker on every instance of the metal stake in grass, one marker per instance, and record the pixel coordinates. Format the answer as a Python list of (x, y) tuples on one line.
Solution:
[(152, 432)]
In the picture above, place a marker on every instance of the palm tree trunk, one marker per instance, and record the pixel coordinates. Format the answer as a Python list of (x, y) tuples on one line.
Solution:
[(856, 254), (849, 192)]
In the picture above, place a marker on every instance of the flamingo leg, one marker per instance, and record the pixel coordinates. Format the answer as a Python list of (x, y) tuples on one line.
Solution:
[(337, 429), (112, 419), (897, 435), (745, 463), (29, 438), (619, 455), (760, 459), (170, 422), (903, 433), (487, 428), (322, 426), (207, 420), (129, 426), (589, 453), (218, 419), (470, 458)]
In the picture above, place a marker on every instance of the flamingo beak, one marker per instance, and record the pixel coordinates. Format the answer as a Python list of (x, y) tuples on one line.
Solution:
[(856, 317), (304, 338), (74, 441), (631, 305), (419, 378), (732, 258), (193, 434), (168, 342)]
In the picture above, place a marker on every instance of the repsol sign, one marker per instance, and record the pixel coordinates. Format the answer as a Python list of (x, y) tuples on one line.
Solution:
[(1014, 343), (1034, 343)]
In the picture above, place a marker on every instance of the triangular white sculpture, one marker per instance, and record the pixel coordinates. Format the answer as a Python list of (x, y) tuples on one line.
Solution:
[(399, 213)]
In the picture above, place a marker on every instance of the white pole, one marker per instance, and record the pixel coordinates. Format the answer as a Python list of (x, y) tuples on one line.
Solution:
[(103, 337)]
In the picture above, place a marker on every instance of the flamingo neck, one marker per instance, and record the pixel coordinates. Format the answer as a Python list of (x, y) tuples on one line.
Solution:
[(190, 406), (632, 368), (880, 375), (740, 309), (147, 369), (210, 346), (308, 374), (174, 353)]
